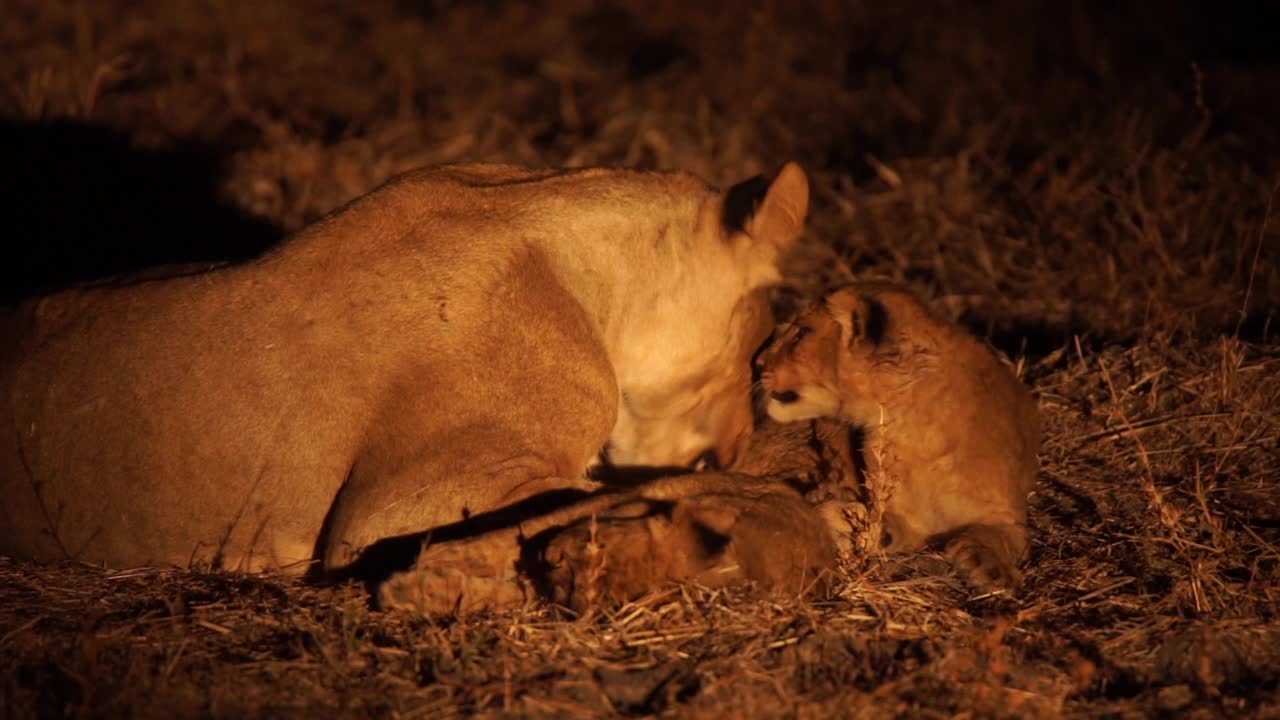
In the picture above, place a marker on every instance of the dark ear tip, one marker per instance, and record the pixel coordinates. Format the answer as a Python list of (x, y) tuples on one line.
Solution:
[(877, 321)]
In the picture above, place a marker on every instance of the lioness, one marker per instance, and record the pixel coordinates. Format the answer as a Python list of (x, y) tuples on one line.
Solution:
[(458, 340), (951, 435)]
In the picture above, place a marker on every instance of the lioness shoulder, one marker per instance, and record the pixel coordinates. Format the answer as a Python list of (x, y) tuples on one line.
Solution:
[(951, 435)]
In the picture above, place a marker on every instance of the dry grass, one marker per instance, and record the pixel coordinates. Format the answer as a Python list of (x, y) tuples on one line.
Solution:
[(1099, 200)]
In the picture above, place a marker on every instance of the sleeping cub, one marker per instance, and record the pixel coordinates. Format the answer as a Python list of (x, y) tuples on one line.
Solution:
[(753, 525), (950, 434)]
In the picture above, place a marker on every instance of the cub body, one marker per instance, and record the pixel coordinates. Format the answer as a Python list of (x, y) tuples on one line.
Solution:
[(458, 340), (950, 434), (754, 525)]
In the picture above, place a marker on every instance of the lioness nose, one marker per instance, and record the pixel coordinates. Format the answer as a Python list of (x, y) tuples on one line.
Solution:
[(709, 460), (786, 396)]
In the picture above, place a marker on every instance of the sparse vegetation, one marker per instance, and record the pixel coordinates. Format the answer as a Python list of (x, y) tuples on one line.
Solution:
[(1094, 187)]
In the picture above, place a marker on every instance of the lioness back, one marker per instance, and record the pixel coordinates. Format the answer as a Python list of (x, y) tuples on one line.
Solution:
[(951, 435), (458, 340)]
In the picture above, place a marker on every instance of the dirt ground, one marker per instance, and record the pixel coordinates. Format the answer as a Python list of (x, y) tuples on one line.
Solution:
[(1089, 184)]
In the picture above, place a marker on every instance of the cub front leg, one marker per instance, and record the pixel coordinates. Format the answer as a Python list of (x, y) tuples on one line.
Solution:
[(604, 549), (462, 577), (487, 570), (849, 525), (988, 555), (712, 529), (629, 550), (759, 533)]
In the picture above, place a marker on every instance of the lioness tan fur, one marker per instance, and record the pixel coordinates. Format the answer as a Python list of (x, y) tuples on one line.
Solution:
[(462, 338), (715, 529), (951, 435)]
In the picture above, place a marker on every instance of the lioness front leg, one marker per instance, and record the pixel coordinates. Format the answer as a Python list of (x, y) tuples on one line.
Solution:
[(987, 555), (436, 491)]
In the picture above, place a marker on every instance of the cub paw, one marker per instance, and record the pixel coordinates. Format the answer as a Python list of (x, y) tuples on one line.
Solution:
[(605, 561), (982, 566), (453, 578), (848, 524)]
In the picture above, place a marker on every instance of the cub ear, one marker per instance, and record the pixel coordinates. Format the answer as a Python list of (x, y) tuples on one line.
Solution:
[(773, 212), (860, 318), (844, 307)]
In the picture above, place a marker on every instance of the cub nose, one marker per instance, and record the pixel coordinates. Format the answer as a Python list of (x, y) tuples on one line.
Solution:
[(708, 460), (786, 397)]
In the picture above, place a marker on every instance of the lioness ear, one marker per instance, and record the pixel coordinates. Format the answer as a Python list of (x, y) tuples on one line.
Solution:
[(780, 218), (773, 212), (764, 218)]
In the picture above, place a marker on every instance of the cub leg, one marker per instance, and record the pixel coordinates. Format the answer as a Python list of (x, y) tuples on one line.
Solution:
[(587, 554), (849, 526), (462, 576), (988, 555), (771, 538), (485, 571), (611, 547), (625, 552)]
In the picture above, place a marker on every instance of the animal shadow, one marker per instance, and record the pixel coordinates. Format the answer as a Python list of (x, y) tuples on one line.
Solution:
[(90, 204), (396, 554)]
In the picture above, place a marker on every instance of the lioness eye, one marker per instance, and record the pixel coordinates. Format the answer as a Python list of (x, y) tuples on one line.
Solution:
[(802, 332)]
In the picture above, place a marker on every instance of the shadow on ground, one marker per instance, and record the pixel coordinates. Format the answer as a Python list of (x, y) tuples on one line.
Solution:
[(91, 204)]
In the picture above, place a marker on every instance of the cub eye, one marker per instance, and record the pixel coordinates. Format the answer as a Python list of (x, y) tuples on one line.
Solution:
[(786, 397), (802, 332), (707, 461)]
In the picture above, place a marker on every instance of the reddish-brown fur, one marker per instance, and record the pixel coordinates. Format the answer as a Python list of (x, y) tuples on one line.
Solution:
[(951, 435)]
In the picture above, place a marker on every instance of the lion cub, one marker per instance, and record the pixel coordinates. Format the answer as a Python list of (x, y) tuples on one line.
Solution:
[(951, 435), (715, 529)]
